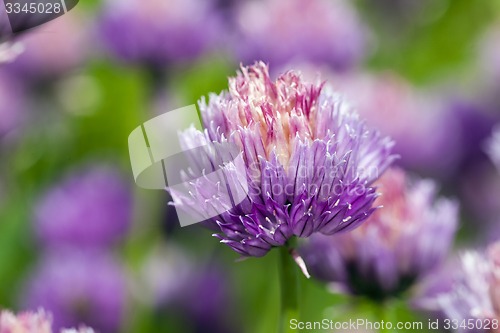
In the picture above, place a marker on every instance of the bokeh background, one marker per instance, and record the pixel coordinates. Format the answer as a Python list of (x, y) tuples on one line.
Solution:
[(78, 238)]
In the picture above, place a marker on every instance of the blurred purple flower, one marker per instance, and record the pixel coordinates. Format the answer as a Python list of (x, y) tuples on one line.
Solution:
[(436, 282), (478, 179), (52, 50), (195, 291), (90, 207), (318, 31), (12, 107), (413, 119), (401, 242), (493, 147), (475, 291), (476, 123), (492, 232), (79, 288), (32, 322), (309, 161), (479, 187), (157, 31)]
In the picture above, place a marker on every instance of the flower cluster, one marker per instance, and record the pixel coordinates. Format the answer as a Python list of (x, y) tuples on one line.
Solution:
[(401, 242), (78, 221), (309, 161), (32, 322)]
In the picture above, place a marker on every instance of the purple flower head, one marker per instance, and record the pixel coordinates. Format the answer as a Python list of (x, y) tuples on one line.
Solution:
[(401, 242), (89, 208), (318, 31), (309, 161), (79, 288), (475, 293), (51, 50), (32, 322), (158, 31)]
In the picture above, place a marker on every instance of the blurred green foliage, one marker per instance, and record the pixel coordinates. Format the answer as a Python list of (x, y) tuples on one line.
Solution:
[(436, 40)]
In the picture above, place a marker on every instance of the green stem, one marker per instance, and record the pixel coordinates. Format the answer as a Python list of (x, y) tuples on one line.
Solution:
[(383, 313), (289, 282)]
